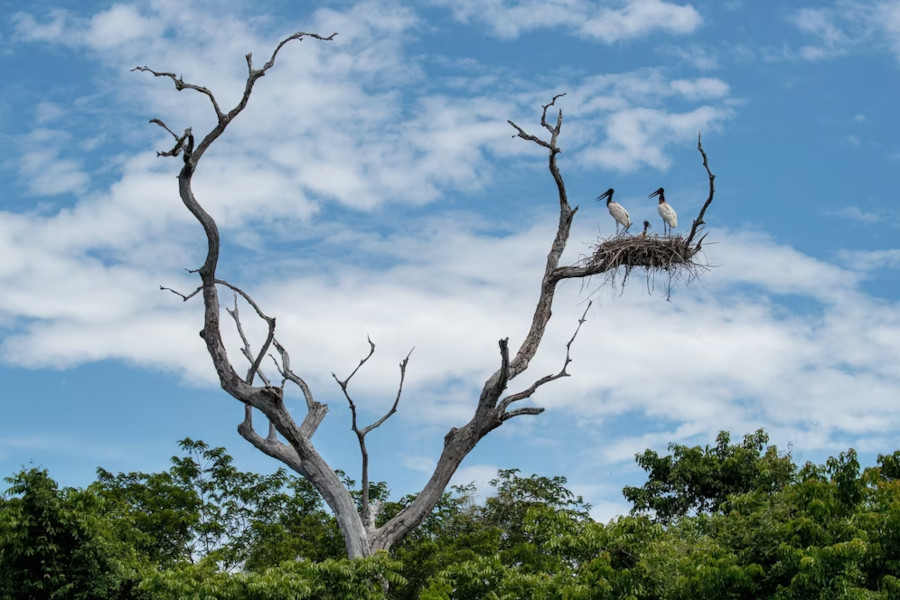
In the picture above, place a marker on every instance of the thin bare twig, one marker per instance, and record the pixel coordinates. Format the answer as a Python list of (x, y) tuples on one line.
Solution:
[(297, 36), (166, 127), (362, 361), (393, 409), (180, 84), (180, 295), (555, 129), (270, 321), (527, 393), (245, 349), (698, 222), (527, 136), (368, 517)]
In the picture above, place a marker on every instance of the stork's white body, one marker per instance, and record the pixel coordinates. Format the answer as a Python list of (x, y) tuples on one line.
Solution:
[(668, 214), (670, 219), (619, 214), (616, 210)]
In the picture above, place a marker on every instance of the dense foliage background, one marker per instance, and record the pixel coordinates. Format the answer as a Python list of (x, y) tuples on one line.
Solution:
[(724, 521)]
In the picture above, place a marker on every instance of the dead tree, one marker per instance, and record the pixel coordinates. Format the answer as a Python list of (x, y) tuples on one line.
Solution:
[(291, 443)]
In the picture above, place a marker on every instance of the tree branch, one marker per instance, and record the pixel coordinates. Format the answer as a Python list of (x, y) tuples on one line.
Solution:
[(302, 456), (699, 222), (527, 393), (367, 514), (393, 409), (166, 127), (181, 85), (460, 441), (542, 311), (179, 294), (248, 354), (528, 410), (270, 322)]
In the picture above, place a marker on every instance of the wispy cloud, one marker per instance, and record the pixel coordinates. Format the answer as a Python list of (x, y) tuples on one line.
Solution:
[(606, 22), (871, 260), (625, 122), (843, 26), (700, 57), (855, 213), (41, 168)]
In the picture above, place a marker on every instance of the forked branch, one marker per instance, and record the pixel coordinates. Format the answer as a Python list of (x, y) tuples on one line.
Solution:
[(367, 514), (246, 349), (504, 404)]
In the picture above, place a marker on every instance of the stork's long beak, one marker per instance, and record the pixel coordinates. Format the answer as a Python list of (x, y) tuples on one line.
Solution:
[(605, 194), (656, 193)]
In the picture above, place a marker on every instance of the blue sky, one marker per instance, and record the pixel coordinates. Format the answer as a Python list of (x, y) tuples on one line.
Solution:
[(373, 187)]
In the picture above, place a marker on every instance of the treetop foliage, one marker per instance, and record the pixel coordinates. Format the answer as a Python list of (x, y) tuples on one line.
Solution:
[(746, 522), (701, 479)]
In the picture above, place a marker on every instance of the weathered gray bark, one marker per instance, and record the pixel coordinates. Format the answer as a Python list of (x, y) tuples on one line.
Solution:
[(493, 408)]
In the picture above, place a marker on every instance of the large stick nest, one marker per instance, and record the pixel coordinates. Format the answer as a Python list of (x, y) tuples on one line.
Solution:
[(673, 257)]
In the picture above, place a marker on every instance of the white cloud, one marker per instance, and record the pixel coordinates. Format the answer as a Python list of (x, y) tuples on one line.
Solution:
[(730, 355), (51, 29), (871, 260), (845, 25), (365, 133), (624, 122), (607, 22), (640, 17), (638, 137), (118, 25), (43, 170), (695, 55), (855, 213), (705, 88), (423, 464), (480, 475), (889, 19)]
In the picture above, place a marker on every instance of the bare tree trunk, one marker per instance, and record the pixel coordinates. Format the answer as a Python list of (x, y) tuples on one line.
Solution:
[(358, 527)]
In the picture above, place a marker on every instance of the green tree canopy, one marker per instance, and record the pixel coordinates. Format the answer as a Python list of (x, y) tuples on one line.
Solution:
[(695, 479), (60, 544), (766, 529)]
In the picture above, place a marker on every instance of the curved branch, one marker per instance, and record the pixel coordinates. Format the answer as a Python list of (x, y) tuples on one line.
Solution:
[(528, 410), (542, 311), (245, 349), (315, 411), (698, 222), (459, 442), (181, 85), (270, 321), (393, 409), (268, 400), (183, 297)]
